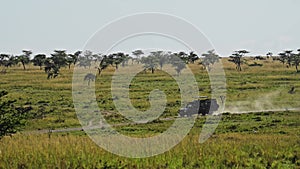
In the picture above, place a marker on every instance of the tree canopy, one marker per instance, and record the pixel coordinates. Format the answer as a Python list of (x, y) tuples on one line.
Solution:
[(236, 58), (209, 59)]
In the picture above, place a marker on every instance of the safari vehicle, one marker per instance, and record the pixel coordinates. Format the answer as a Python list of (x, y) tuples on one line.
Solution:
[(202, 106)]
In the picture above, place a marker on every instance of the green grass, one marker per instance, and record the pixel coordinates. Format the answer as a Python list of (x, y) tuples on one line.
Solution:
[(265, 139), (253, 89), (275, 145)]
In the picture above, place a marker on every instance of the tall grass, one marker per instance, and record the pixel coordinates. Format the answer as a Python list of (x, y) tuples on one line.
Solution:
[(221, 151), (260, 140)]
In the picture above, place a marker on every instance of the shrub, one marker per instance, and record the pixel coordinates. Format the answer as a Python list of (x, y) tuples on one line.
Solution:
[(12, 118)]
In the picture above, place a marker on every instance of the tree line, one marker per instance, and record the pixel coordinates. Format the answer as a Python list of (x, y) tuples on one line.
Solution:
[(287, 57), (153, 61)]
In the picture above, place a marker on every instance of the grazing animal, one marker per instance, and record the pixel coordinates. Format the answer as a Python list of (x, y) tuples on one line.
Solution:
[(259, 58), (47, 69), (89, 77), (52, 74), (52, 71), (292, 90)]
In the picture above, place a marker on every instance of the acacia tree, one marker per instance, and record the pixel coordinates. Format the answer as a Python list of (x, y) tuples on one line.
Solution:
[(138, 54), (296, 60), (7, 60), (116, 59), (3, 59), (12, 118), (290, 58), (177, 62), (125, 60), (286, 57), (192, 57), (53, 64), (73, 58), (210, 58), (97, 57), (12, 61), (161, 58), (86, 59), (39, 60), (269, 55), (59, 58), (236, 58), (104, 63), (281, 58), (150, 62), (183, 56), (69, 60), (25, 58)]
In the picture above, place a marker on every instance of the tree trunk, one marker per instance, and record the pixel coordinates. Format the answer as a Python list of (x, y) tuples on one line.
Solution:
[(239, 67), (23, 65), (208, 68)]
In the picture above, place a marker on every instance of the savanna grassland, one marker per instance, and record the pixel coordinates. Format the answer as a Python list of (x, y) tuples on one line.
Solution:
[(267, 138)]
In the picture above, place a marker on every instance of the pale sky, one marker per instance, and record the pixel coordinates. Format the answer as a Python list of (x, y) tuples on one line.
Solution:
[(256, 25)]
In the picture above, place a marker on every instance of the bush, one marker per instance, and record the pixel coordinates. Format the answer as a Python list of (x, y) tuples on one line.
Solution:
[(12, 118), (255, 64)]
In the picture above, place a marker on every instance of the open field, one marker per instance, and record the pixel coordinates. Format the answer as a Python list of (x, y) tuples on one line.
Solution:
[(268, 138), (254, 89), (258, 140)]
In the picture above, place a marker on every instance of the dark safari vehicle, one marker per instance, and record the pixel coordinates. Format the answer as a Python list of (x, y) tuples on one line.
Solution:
[(202, 106)]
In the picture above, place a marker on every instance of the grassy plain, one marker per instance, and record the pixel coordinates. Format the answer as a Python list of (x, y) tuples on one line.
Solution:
[(269, 138)]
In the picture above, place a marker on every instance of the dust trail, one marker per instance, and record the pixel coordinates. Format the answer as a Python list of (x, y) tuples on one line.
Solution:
[(273, 101), (270, 110)]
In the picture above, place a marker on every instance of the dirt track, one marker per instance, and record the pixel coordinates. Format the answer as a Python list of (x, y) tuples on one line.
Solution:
[(126, 124)]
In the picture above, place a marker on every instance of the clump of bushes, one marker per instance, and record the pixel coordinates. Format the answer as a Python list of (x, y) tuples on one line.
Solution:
[(12, 117)]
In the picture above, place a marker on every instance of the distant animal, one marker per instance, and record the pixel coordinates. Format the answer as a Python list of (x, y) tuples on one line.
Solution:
[(89, 77), (47, 69), (52, 71), (52, 75), (292, 90), (259, 58)]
